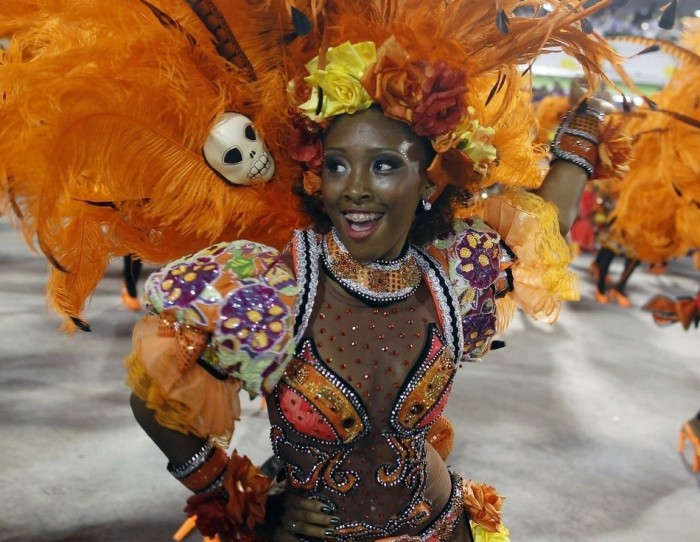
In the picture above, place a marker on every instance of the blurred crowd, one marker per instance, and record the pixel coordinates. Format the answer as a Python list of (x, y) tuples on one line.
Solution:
[(629, 17)]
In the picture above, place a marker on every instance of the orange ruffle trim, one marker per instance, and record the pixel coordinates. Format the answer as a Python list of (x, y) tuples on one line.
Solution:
[(541, 276), (191, 402)]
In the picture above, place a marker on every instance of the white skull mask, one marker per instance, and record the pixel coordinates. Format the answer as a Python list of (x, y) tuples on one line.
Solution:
[(234, 150)]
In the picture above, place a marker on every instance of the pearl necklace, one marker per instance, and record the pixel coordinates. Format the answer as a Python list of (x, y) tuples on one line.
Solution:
[(377, 283)]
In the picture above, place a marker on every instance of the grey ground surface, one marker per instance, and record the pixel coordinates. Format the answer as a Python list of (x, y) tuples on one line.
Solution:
[(576, 423)]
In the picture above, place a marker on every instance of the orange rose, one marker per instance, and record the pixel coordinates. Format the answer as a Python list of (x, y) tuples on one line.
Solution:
[(395, 82), (484, 505), (247, 491)]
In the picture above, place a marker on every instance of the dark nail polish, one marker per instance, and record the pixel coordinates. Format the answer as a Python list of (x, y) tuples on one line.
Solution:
[(330, 533), (335, 522), (326, 509)]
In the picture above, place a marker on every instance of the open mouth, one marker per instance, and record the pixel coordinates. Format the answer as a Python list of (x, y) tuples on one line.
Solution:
[(361, 225)]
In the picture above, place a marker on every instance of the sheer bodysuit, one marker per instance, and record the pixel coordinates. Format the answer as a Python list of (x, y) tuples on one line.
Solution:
[(351, 414)]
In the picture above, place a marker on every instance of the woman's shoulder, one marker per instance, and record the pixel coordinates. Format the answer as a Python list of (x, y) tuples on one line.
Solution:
[(471, 253), (190, 287), (243, 294), (473, 258)]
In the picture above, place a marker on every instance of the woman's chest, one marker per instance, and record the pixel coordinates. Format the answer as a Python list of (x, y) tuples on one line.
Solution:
[(362, 370)]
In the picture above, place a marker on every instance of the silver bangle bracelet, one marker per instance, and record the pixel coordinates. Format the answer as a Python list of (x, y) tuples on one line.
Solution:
[(192, 464)]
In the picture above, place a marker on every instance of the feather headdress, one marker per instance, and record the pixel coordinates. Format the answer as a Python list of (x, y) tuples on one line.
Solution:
[(105, 112)]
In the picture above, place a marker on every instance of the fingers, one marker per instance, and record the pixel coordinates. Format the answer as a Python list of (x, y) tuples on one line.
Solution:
[(604, 106), (308, 517), (578, 89), (305, 528), (602, 99)]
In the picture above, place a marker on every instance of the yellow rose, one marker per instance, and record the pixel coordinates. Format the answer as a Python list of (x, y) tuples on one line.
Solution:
[(474, 140), (351, 59), (475, 143), (482, 535), (340, 80), (342, 93)]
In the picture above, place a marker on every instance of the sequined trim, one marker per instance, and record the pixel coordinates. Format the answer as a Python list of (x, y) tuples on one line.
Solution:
[(577, 139), (343, 405), (307, 253), (447, 300), (430, 381), (325, 470), (440, 530), (193, 463), (377, 283), (413, 475)]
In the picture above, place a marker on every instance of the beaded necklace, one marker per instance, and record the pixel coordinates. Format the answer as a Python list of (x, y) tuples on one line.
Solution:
[(378, 283)]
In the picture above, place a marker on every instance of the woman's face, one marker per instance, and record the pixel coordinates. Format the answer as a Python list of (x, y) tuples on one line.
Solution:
[(374, 174)]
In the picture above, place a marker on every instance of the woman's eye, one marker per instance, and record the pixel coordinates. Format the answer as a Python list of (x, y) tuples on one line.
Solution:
[(334, 165), (384, 165)]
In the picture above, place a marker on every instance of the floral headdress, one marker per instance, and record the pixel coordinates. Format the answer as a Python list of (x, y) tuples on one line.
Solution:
[(428, 96), (449, 70)]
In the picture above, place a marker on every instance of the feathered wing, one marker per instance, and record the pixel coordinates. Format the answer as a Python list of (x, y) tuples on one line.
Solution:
[(104, 116)]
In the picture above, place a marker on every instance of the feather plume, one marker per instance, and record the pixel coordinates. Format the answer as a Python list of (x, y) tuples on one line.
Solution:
[(131, 103), (109, 162), (657, 213), (668, 17), (677, 51)]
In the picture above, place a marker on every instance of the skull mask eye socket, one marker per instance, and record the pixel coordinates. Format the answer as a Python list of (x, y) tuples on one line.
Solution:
[(233, 156), (249, 133), (235, 151)]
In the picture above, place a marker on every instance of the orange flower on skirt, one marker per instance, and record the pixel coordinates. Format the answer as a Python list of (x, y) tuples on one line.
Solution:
[(484, 505)]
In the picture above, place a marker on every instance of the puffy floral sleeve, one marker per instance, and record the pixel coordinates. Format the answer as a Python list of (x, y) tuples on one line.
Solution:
[(529, 228), (222, 319), (478, 268), (511, 256)]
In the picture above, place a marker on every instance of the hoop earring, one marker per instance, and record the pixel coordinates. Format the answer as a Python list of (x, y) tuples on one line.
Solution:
[(426, 205)]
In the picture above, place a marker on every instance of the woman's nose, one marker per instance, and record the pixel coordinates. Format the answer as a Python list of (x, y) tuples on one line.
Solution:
[(358, 186)]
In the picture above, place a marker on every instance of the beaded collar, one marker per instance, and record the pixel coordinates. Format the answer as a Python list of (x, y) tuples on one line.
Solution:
[(378, 283)]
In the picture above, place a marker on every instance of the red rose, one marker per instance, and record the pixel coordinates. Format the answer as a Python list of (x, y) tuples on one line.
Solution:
[(210, 514), (443, 105), (305, 143), (247, 491)]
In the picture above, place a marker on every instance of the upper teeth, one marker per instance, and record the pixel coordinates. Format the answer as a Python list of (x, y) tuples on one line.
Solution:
[(362, 217)]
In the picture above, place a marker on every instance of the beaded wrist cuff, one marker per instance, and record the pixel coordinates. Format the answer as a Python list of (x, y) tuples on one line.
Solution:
[(204, 471), (577, 138)]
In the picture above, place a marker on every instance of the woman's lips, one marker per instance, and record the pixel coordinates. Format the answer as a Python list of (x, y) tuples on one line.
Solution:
[(361, 225)]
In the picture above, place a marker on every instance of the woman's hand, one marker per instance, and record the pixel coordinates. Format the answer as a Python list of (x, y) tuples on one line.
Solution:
[(300, 516), (602, 99)]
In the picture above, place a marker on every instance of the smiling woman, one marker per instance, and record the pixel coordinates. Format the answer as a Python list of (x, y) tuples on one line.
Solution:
[(395, 114), (374, 173)]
